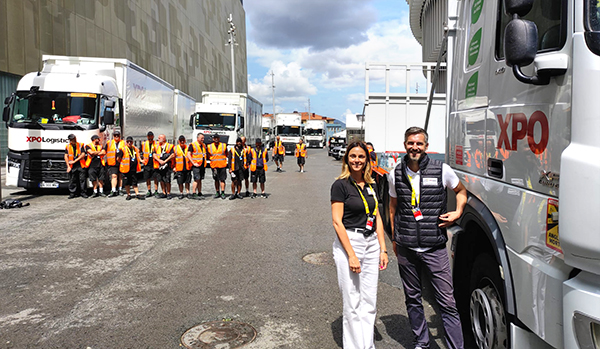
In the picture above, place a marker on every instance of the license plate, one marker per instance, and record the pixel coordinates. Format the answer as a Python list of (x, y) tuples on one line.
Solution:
[(52, 185)]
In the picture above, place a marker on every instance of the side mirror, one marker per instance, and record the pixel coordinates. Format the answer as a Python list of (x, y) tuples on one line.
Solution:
[(109, 117), (8, 100), (6, 113), (520, 49), (192, 121), (518, 7)]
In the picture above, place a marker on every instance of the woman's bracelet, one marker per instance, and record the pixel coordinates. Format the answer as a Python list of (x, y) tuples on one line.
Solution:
[(384, 252)]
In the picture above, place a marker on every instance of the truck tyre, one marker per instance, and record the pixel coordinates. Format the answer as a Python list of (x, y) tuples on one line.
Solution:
[(488, 319)]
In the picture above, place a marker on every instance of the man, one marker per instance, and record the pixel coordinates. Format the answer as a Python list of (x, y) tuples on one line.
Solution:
[(278, 154), (95, 164), (217, 153), (197, 156), (150, 166), (183, 168), (76, 164), (301, 154), (246, 171), (258, 167), (372, 155), (417, 203), (164, 156), (112, 148), (237, 159), (129, 166)]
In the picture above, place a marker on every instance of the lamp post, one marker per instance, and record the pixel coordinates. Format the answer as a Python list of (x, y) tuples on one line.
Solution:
[(232, 42)]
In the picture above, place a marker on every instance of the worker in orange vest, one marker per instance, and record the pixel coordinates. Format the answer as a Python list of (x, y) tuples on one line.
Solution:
[(164, 157), (258, 167), (217, 154), (278, 154), (76, 165), (95, 165), (197, 156), (246, 171), (150, 166), (372, 155), (129, 165), (183, 168), (301, 154), (237, 160), (112, 149)]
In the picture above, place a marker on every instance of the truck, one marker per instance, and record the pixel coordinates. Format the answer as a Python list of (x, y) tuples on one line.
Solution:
[(230, 115), (83, 96), (184, 107), (268, 129), (314, 133), (289, 130), (522, 135)]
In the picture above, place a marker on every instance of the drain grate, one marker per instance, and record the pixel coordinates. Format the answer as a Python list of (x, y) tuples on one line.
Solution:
[(318, 258), (218, 334)]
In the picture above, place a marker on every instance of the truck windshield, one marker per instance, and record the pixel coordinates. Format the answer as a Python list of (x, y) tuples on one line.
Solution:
[(314, 132), (57, 110), (593, 15), (215, 121), (288, 130)]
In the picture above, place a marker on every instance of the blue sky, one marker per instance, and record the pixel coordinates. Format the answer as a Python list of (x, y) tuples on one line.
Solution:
[(318, 50)]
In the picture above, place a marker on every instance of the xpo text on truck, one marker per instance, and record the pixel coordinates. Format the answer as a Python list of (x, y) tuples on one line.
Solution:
[(83, 96), (523, 126)]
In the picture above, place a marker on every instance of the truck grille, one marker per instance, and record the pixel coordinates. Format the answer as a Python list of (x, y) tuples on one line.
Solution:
[(45, 170)]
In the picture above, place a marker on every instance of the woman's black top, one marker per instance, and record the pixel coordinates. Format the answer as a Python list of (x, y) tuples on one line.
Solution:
[(355, 215)]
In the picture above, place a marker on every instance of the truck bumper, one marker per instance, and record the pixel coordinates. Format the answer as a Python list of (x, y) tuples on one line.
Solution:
[(581, 311), (38, 169)]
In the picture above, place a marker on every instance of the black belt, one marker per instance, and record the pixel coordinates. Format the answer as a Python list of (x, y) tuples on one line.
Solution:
[(365, 232)]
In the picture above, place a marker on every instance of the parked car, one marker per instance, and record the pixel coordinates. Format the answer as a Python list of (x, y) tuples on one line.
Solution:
[(335, 152)]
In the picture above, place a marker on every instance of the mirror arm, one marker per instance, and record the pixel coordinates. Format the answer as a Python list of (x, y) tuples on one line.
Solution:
[(533, 80)]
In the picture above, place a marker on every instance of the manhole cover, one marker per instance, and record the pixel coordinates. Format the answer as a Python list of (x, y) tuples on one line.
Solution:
[(218, 334), (318, 258)]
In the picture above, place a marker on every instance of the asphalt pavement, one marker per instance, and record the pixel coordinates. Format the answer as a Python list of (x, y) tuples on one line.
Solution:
[(110, 273)]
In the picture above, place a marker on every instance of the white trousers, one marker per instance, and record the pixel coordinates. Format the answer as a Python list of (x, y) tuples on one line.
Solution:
[(359, 291)]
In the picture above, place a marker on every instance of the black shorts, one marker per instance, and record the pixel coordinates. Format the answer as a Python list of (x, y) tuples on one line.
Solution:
[(96, 173), (246, 173), (112, 170), (301, 160), (149, 172), (237, 175), (164, 175), (130, 178), (278, 157), (183, 177), (258, 176), (198, 173), (219, 174)]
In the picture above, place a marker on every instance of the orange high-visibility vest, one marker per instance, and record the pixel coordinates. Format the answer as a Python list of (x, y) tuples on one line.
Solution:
[(89, 158), (262, 153), (279, 148), (234, 154), (247, 151), (111, 152), (126, 159), (147, 149), (181, 159), (301, 150), (165, 148), (218, 156), (199, 153), (373, 162), (72, 156)]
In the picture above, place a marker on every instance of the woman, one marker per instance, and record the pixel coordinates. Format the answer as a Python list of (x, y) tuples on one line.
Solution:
[(359, 249)]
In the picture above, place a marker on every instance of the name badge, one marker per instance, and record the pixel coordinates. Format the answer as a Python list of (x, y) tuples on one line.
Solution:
[(370, 191), (430, 182), (417, 213), (370, 220)]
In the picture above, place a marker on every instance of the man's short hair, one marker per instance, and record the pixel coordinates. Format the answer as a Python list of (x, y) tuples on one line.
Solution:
[(94, 137), (71, 137), (182, 138), (414, 131)]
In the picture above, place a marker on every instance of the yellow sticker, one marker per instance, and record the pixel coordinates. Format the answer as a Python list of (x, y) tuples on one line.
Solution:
[(552, 238), (44, 121), (88, 95)]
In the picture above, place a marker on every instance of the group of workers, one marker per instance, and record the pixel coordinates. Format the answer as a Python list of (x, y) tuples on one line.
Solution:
[(119, 163)]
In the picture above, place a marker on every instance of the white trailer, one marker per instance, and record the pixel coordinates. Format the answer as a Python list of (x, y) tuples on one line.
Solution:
[(86, 97), (245, 122), (314, 133), (522, 126), (268, 128), (184, 107), (289, 130)]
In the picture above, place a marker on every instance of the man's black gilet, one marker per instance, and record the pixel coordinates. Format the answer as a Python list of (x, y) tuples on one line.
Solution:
[(424, 233)]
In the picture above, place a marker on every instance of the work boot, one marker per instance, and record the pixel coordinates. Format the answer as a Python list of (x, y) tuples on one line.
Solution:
[(232, 197), (263, 195), (247, 194), (141, 197), (72, 196), (217, 195), (181, 197), (149, 193), (253, 196), (169, 197), (128, 197), (223, 195), (84, 195)]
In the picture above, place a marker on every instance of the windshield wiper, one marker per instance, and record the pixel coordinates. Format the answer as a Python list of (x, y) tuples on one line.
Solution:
[(73, 127)]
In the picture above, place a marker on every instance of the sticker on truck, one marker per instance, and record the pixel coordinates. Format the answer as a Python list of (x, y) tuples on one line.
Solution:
[(552, 239)]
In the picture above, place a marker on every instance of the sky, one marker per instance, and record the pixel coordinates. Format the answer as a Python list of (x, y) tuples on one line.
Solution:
[(317, 50)]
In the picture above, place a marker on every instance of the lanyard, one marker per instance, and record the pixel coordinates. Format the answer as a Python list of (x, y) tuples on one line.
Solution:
[(414, 201), (131, 153), (365, 200), (235, 153)]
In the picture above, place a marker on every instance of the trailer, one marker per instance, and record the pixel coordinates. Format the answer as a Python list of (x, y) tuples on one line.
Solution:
[(184, 107), (289, 130)]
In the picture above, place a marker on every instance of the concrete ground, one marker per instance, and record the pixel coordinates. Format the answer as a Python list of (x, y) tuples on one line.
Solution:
[(109, 273)]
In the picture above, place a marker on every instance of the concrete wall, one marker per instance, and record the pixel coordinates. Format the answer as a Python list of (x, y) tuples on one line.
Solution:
[(182, 41)]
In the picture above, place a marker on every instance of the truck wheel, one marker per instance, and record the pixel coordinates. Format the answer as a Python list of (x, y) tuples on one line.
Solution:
[(488, 320)]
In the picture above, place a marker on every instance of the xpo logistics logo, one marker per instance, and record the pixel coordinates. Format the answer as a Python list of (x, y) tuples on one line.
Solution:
[(521, 128), (46, 140)]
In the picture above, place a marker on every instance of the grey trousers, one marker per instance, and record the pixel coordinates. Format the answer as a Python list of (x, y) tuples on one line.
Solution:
[(437, 264)]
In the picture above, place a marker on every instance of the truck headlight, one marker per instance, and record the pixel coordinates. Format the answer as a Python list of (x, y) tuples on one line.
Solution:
[(11, 162), (587, 331)]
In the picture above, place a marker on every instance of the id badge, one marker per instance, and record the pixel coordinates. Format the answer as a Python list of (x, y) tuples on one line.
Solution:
[(370, 220), (417, 213)]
